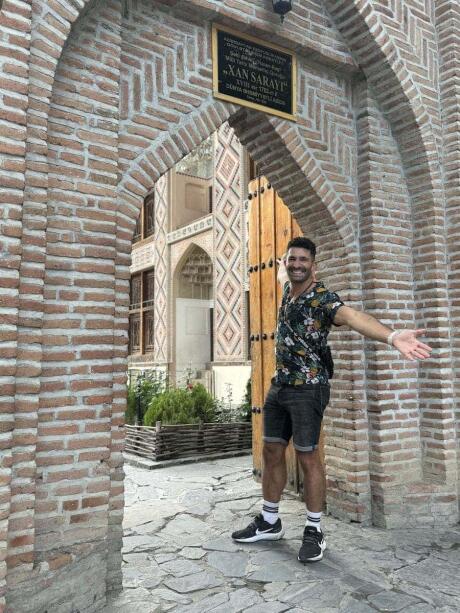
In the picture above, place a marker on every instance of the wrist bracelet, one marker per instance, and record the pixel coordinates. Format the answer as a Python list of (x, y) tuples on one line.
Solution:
[(391, 337)]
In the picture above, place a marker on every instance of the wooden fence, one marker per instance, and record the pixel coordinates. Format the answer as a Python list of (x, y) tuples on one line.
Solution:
[(180, 441)]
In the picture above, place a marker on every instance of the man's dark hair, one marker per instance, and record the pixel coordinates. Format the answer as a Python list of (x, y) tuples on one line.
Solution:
[(303, 243)]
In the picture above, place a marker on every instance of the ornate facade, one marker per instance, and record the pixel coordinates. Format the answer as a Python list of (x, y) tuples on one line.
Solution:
[(216, 225)]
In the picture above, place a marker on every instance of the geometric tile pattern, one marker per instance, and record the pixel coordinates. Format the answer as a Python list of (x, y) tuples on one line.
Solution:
[(228, 248), (161, 272), (415, 37), (329, 127)]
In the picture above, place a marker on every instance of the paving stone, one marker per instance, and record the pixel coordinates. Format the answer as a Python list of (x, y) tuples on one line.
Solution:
[(185, 562), (141, 606), (272, 556), (352, 605), (361, 589), (193, 583), (148, 578), (236, 505), (242, 599), (187, 524), (391, 601), (215, 602), (136, 559), (406, 556), (197, 502), (432, 573), (130, 595), (168, 547), (192, 553), (452, 556), (165, 557), (223, 516), (268, 607), (422, 607), (187, 531), (229, 564), (273, 590), (355, 568), (148, 494), (131, 600), (165, 595), (180, 568), (151, 582), (274, 572), (317, 595), (436, 598), (220, 544), (139, 543), (151, 527), (322, 570)]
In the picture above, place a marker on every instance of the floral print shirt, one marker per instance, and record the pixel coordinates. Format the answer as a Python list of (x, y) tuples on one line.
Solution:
[(308, 318)]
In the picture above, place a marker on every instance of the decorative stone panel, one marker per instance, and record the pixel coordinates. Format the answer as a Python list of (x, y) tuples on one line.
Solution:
[(197, 227), (203, 240), (228, 248), (160, 347)]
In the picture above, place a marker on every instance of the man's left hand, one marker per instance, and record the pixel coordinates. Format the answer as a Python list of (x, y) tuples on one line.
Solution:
[(408, 345)]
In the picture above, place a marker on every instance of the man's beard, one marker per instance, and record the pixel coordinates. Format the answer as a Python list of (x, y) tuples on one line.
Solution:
[(299, 276)]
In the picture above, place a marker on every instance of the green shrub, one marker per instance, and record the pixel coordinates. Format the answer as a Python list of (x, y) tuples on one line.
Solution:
[(181, 406), (146, 387), (204, 404), (130, 413)]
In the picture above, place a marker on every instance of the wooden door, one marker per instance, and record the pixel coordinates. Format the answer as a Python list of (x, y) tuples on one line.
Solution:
[(271, 227)]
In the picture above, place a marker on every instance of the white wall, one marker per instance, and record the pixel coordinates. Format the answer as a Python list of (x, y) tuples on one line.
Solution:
[(193, 334), (235, 375)]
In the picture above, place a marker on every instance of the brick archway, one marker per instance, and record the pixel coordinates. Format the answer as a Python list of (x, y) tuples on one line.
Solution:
[(274, 145), (87, 208)]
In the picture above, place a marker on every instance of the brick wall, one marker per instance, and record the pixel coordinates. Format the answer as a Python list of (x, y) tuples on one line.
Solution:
[(15, 26), (448, 27), (98, 101), (386, 239), (78, 475)]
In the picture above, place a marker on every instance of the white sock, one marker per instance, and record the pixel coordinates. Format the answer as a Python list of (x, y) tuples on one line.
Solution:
[(313, 519), (270, 511)]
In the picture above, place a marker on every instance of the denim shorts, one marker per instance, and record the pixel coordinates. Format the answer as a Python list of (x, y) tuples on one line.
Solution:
[(297, 411)]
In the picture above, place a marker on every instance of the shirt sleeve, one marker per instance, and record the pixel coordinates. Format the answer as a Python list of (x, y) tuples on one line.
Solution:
[(331, 303)]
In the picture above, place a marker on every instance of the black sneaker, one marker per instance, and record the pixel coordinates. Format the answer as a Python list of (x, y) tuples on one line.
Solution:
[(259, 530), (313, 545)]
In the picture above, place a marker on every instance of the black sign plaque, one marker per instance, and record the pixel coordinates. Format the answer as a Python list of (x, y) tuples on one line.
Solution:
[(253, 73)]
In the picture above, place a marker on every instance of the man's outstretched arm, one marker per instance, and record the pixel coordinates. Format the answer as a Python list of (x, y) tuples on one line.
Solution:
[(405, 341)]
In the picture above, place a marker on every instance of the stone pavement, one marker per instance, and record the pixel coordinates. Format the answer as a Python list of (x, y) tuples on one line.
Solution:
[(178, 555)]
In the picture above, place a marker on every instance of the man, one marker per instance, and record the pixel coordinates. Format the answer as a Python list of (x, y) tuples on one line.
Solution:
[(299, 393)]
